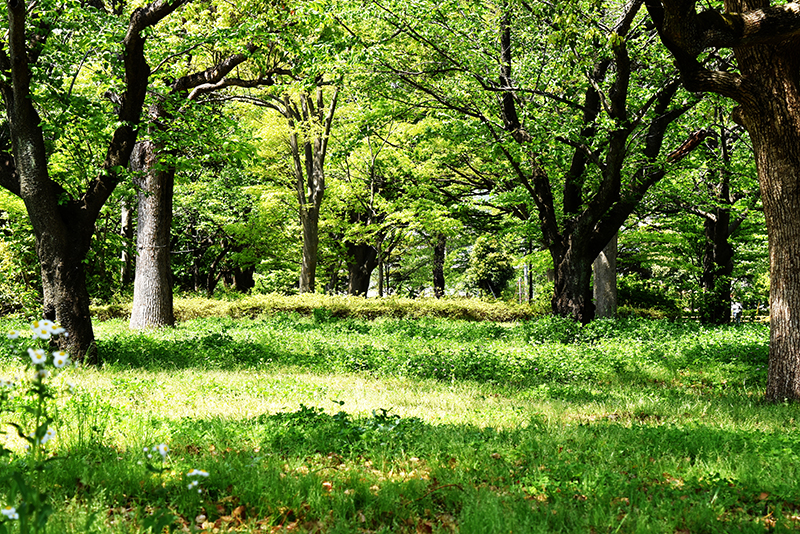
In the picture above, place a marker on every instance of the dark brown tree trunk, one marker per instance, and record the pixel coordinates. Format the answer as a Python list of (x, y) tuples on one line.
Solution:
[(439, 251), (363, 259), (309, 218), (717, 268), (605, 281), (152, 289), (572, 295), (243, 279), (772, 118), (66, 299)]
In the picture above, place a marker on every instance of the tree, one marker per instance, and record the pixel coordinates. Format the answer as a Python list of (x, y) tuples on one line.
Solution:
[(591, 127), (765, 83), (490, 269), (231, 63), (309, 120), (63, 216)]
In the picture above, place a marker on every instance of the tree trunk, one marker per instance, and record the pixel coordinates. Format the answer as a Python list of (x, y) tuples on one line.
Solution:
[(243, 279), (363, 260), (126, 231), (772, 117), (309, 218), (439, 250), (572, 295), (66, 299), (308, 157), (152, 288), (717, 269), (605, 281)]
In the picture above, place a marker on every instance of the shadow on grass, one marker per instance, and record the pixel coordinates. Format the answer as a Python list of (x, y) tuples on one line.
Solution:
[(337, 473)]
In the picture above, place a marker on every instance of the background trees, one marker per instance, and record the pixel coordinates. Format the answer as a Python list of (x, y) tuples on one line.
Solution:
[(456, 146)]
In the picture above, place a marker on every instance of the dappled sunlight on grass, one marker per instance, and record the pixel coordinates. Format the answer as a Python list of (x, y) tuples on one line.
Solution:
[(352, 427)]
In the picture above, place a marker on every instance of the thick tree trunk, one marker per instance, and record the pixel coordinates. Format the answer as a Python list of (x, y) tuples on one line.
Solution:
[(243, 279), (363, 260), (605, 281), (152, 288), (572, 295), (439, 250), (66, 299), (772, 117)]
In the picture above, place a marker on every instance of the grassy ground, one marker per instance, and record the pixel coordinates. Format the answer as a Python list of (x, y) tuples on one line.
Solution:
[(318, 424)]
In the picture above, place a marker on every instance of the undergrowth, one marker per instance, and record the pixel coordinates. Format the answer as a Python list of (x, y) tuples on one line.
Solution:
[(314, 423)]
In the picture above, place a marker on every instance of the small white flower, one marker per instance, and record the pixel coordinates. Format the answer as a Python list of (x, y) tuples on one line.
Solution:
[(50, 434), (13, 334), (60, 358), (7, 384), (42, 333), (197, 473), (38, 356), (162, 450), (193, 484), (146, 449), (41, 374), (10, 512), (58, 329), (149, 456)]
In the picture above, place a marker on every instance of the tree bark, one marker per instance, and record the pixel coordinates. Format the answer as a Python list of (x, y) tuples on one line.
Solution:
[(363, 260), (152, 288), (439, 250), (717, 268), (126, 231), (605, 281), (767, 88), (572, 295), (309, 219)]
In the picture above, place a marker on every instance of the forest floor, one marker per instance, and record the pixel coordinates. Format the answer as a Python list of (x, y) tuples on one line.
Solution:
[(318, 424)]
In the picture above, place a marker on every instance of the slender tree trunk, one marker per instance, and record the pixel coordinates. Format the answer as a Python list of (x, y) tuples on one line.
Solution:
[(152, 290), (605, 281), (380, 270), (439, 251), (308, 272), (126, 230), (717, 269)]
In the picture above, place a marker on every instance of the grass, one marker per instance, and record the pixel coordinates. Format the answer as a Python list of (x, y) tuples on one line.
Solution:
[(319, 424)]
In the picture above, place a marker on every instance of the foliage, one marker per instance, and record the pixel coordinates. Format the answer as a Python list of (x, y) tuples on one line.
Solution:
[(19, 276), (490, 267)]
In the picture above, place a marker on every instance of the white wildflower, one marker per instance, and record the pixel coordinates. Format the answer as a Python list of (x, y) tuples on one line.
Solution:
[(38, 356), (60, 358)]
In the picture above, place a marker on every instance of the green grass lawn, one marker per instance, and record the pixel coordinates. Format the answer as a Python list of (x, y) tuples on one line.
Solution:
[(318, 424)]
